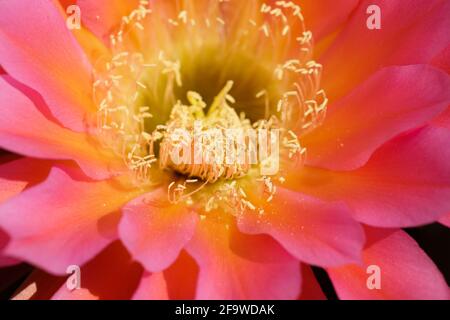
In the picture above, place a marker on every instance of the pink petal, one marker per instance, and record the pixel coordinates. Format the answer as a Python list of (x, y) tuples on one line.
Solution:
[(406, 182), (5, 261), (39, 50), (442, 60), (62, 221), (406, 271), (15, 176), (404, 38), (24, 129), (445, 220), (382, 107), (111, 275), (155, 231), (443, 120), (237, 266), (312, 230), (152, 287)]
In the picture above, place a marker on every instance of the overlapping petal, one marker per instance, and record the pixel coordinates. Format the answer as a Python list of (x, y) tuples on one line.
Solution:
[(18, 173), (392, 101), (25, 129), (62, 221), (235, 266), (53, 63), (406, 272), (102, 279), (178, 282), (386, 138), (15, 176), (406, 182), (155, 231), (412, 32), (152, 287), (314, 231)]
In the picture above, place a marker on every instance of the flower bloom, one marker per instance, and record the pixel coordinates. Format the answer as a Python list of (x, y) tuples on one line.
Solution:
[(363, 151)]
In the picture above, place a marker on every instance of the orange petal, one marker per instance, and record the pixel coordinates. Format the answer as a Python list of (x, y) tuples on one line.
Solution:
[(102, 16)]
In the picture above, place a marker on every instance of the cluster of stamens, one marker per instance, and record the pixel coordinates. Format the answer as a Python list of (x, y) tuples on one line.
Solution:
[(208, 162), (124, 79)]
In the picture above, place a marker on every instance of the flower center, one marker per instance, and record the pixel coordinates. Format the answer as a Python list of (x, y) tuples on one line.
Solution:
[(193, 142), (180, 79)]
